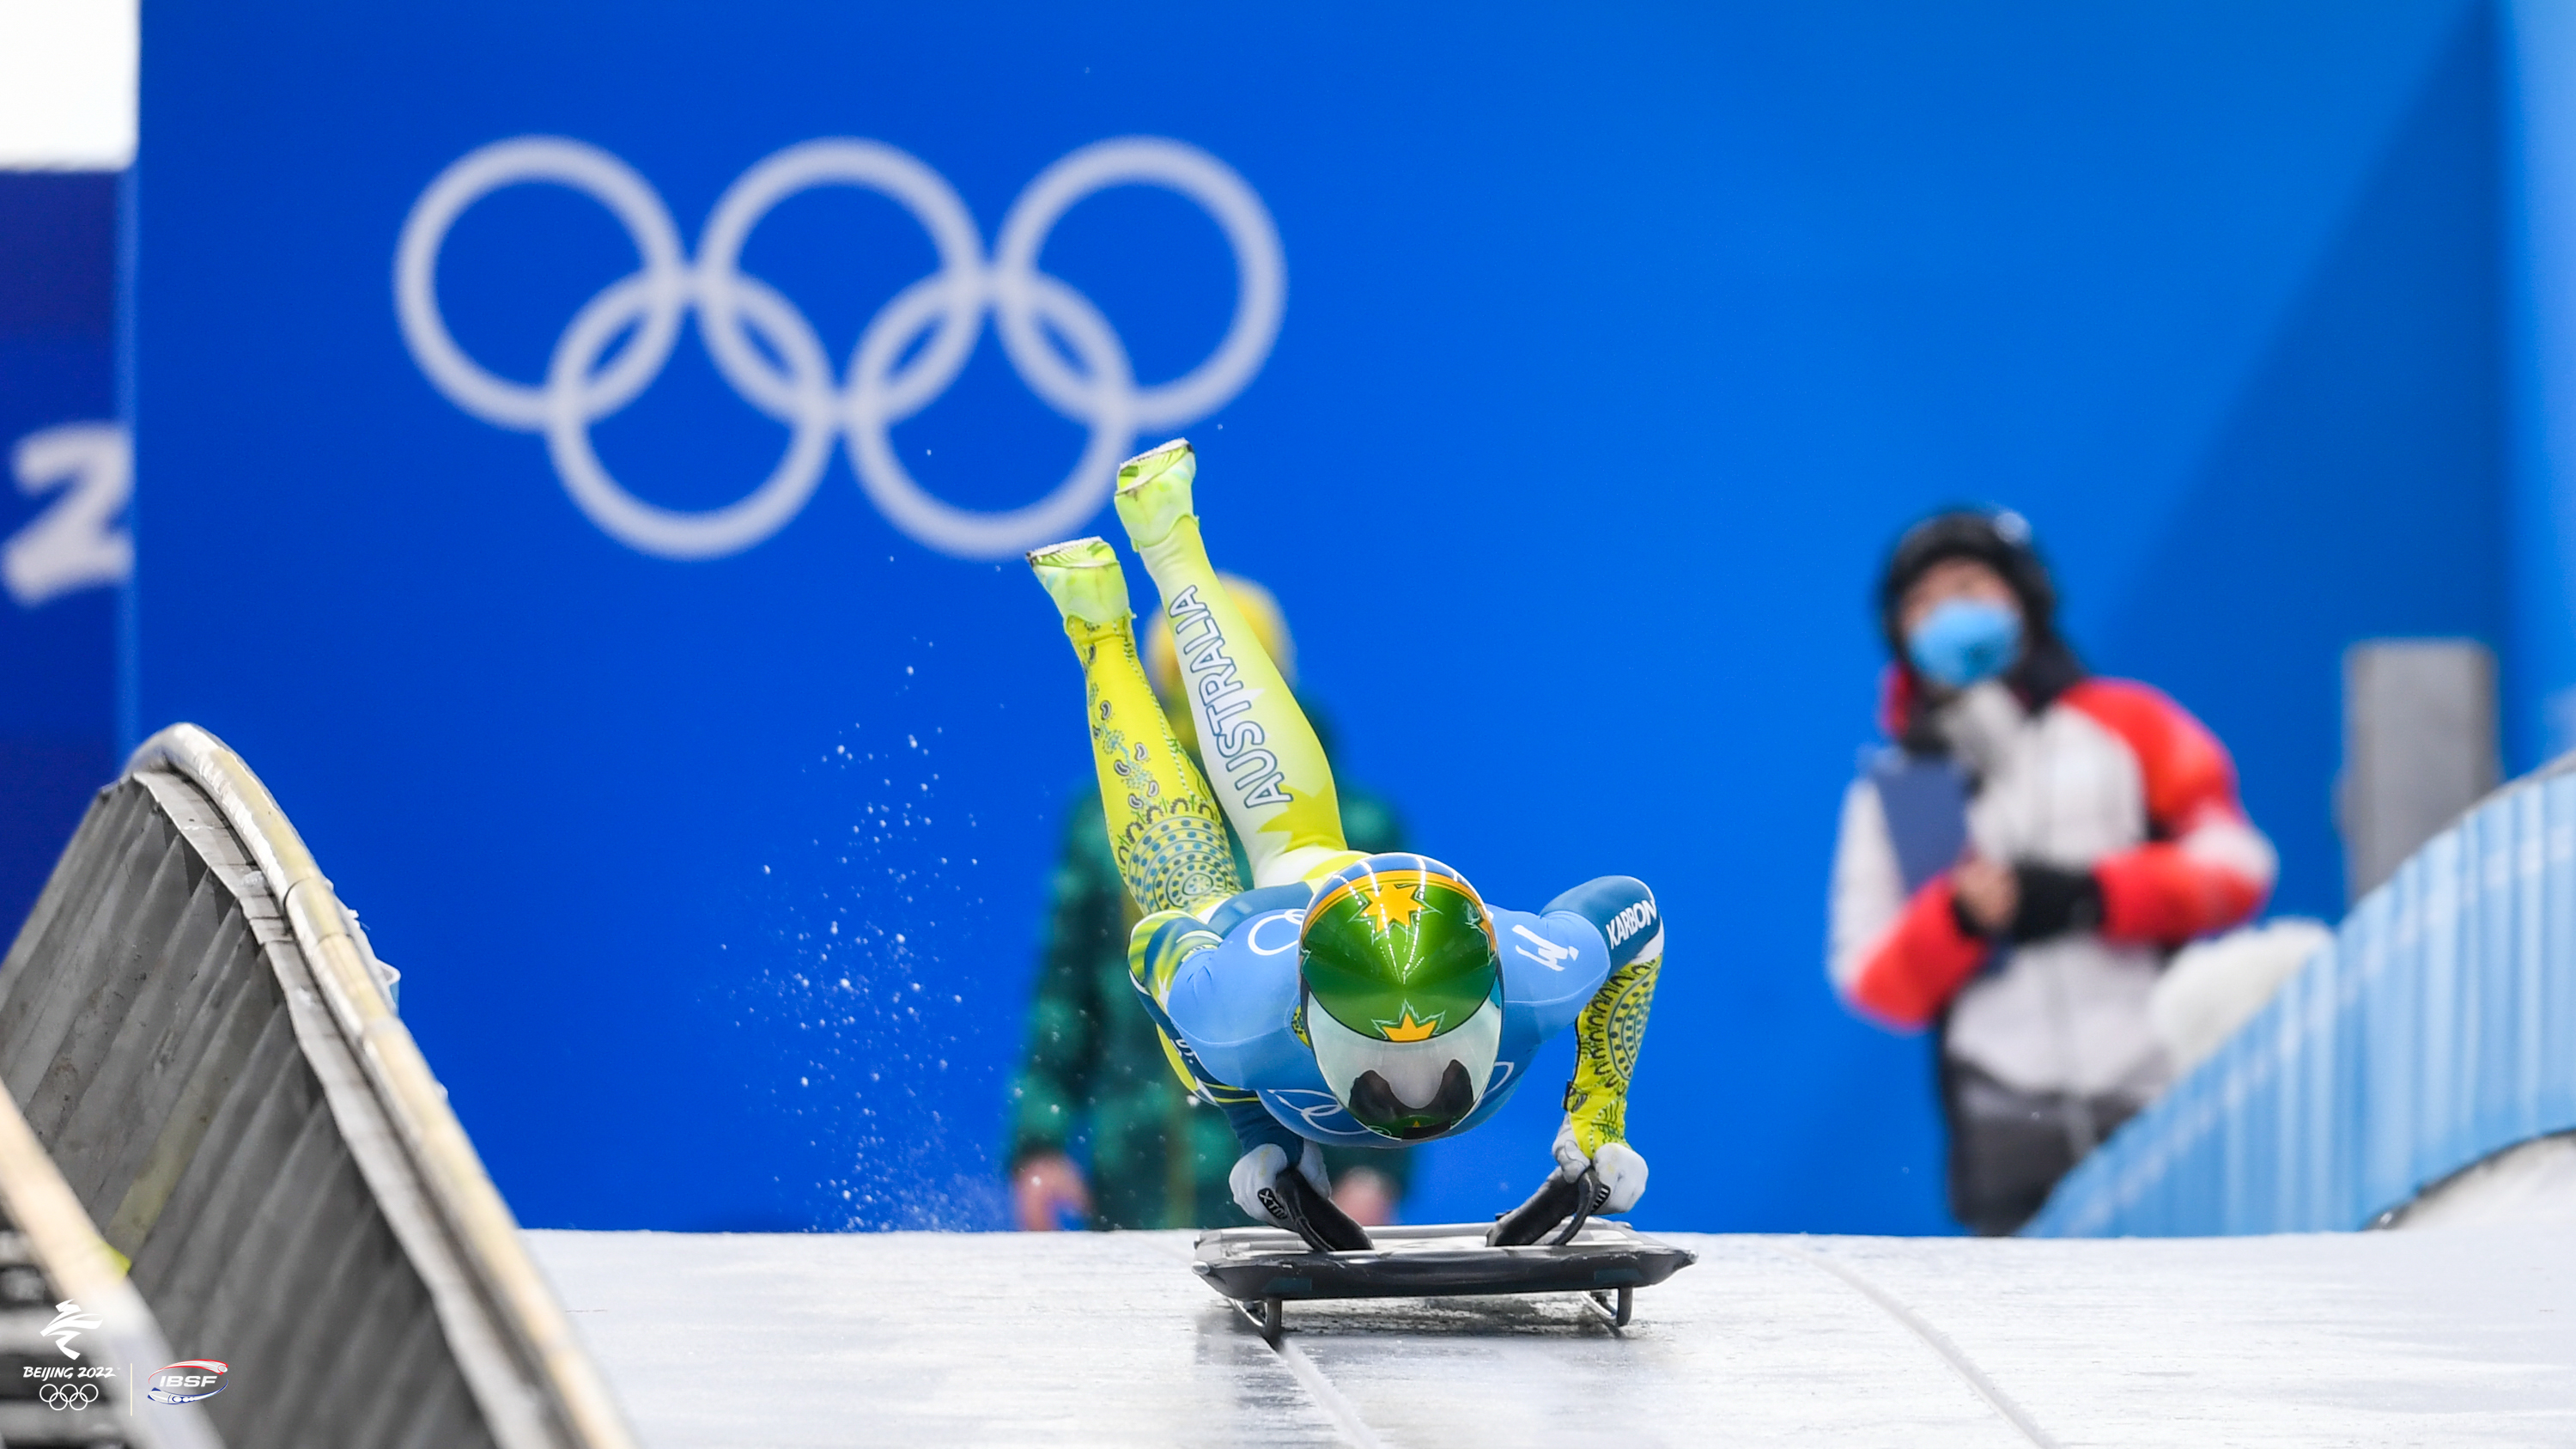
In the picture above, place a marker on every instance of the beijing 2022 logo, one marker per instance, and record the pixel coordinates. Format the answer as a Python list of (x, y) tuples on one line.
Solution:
[(908, 355)]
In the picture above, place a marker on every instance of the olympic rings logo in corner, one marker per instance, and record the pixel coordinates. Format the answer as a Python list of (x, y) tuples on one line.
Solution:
[(68, 1396), (909, 353)]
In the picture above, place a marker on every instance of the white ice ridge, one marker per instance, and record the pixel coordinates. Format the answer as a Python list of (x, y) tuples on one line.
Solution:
[(2438, 1337)]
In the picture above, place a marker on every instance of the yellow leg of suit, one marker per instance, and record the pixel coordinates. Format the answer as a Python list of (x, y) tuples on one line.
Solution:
[(1268, 768), (1164, 828)]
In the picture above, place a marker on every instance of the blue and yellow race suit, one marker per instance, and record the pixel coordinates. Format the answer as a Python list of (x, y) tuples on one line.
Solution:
[(1217, 965), (1224, 991)]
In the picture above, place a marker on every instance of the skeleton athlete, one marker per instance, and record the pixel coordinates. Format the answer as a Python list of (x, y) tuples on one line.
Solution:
[(1344, 998)]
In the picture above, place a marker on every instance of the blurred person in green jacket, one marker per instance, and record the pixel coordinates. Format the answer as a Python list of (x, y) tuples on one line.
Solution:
[(1094, 1066)]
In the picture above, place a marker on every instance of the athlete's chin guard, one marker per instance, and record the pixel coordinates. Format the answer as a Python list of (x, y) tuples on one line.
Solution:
[(1560, 1199)]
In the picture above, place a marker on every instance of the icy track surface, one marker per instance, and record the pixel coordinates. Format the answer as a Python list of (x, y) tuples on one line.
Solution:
[(2436, 1337)]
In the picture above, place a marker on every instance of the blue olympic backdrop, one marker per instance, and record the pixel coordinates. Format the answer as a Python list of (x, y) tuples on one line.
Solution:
[(64, 549), (582, 449)]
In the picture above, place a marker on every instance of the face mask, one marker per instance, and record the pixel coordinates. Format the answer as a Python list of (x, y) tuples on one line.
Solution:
[(1964, 641)]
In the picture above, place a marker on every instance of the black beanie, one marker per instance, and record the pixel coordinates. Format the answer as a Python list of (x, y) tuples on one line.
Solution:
[(1999, 539)]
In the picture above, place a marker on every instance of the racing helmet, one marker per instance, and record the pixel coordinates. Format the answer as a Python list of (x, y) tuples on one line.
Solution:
[(1402, 997)]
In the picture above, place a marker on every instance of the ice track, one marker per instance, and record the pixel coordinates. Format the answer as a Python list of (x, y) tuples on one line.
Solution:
[(2435, 1337)]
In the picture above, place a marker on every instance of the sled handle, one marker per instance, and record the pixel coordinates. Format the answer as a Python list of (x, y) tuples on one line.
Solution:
[(1590, 1192)]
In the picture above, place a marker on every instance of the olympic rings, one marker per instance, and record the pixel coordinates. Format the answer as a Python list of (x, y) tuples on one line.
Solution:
[(907, 356), (68, 1396)]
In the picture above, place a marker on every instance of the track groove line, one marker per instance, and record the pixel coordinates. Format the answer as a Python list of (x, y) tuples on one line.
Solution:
[(1933, 1338), (1336, 1405)]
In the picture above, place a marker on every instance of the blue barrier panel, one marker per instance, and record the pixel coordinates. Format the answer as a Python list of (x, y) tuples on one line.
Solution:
[(690, 739), (64, 550), (2432, 1032)]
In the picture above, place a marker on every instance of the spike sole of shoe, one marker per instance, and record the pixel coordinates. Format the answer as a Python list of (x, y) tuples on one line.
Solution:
[(1154, 491), (1083, 577)]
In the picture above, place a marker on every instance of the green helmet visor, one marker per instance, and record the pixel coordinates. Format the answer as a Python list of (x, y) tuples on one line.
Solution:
[(1403, 993), (1398, 946), (1408, 1090)]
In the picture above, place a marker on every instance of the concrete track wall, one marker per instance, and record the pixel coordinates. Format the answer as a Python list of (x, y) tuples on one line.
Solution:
[(145, 1029), (200, 1039)]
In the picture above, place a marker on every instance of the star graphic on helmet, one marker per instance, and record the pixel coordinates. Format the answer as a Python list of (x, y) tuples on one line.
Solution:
[(1408, 1029), (1394, 905)]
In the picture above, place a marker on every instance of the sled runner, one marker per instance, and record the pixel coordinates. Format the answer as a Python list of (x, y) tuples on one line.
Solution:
[(1550, 1244)]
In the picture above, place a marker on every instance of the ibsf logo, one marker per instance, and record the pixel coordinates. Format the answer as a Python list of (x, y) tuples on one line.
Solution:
[(186, 1382)]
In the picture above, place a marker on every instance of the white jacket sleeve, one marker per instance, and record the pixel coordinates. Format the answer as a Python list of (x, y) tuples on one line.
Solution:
[(1868, 888)]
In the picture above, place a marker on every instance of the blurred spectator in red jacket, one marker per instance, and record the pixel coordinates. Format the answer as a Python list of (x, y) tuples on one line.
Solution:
[(2015, 870)]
